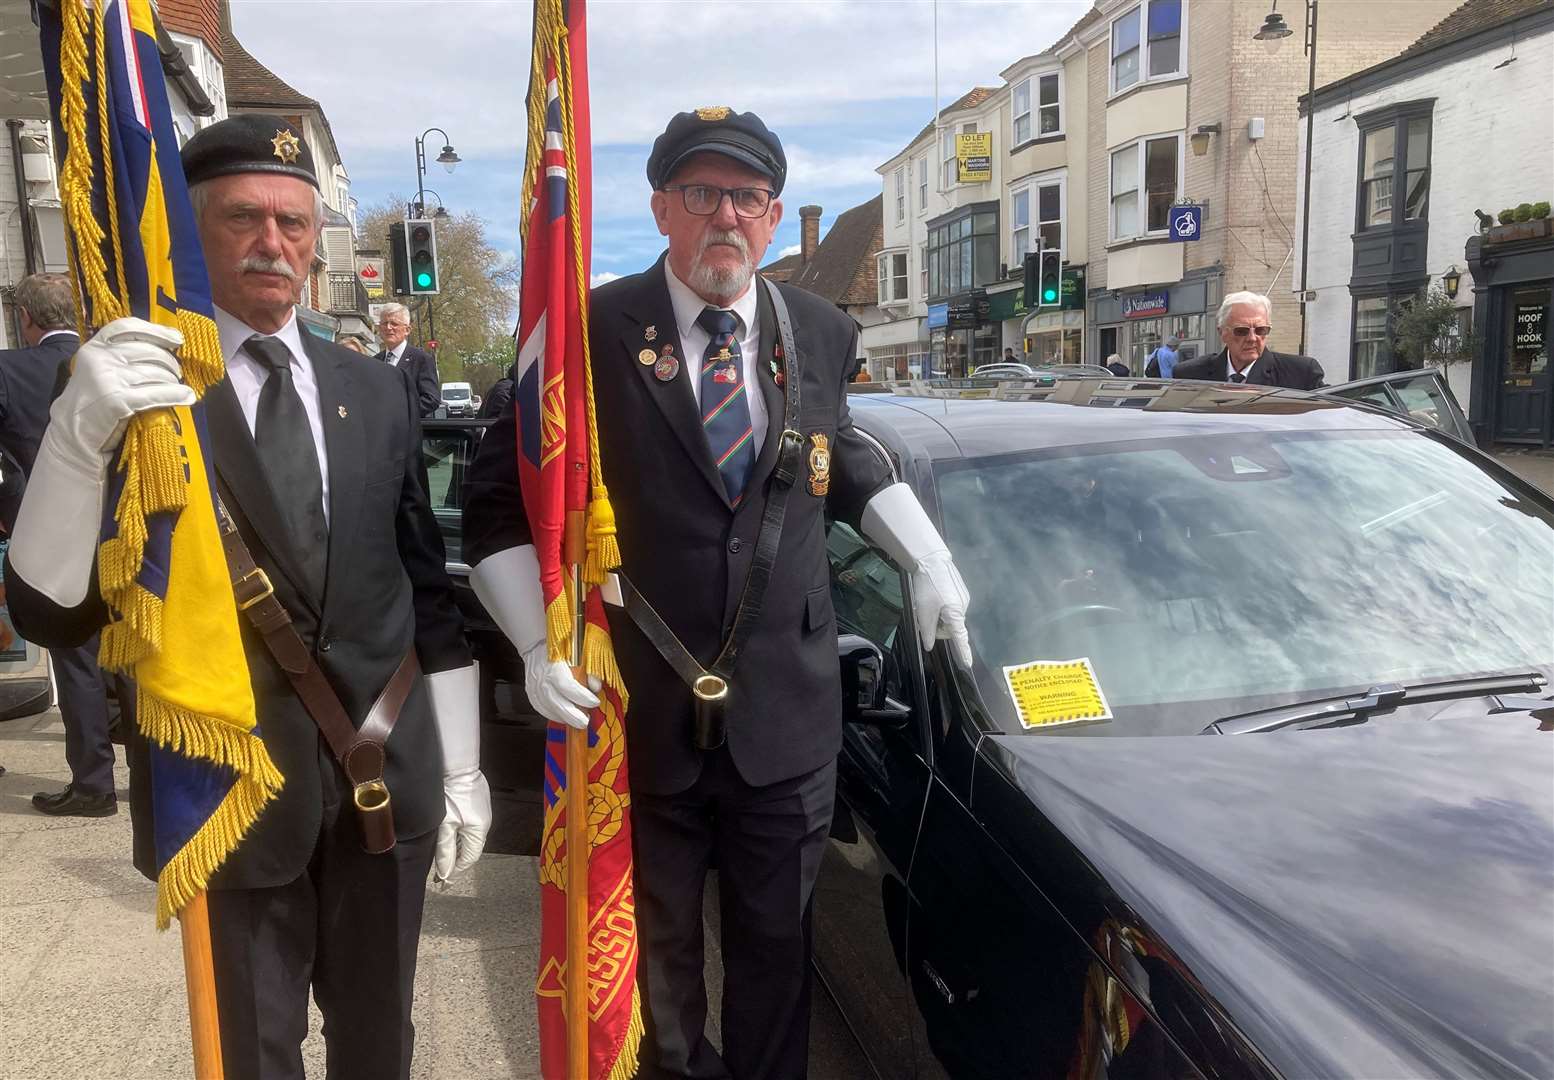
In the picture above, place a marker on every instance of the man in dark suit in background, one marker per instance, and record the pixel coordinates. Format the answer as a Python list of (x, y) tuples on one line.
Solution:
[(692, 391), (419, 366), (28, 380), (1245, 321), (317, 458)]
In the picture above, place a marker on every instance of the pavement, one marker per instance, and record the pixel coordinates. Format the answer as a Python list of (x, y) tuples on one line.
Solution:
[(88, 988), (1534, 466)]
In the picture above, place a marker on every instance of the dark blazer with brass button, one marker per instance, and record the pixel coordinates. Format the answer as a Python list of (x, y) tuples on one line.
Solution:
[(386, 590), (688, 551)]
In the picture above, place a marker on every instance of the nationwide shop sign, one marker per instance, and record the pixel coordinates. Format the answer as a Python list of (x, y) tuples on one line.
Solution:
[(1146, 305), (974, 157)]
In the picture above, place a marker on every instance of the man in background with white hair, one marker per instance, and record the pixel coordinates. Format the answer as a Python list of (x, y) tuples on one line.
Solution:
[(418, 365), (1244, 320)]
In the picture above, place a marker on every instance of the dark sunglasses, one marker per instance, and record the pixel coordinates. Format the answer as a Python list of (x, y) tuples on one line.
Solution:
[(1243, 331)]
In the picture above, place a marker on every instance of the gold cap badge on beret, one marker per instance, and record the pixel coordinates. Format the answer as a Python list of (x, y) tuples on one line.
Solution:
[(713, 113), (287, 145)]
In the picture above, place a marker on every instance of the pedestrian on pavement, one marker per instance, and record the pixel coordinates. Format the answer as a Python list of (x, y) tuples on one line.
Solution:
[(1115, 365), (1245, 319), (302, 433), (1162, 362), (694, 390), (1009, 356), (29, 377), (419, 366)]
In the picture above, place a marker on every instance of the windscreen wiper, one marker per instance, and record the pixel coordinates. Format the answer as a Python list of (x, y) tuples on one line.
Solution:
[(1386, 696)]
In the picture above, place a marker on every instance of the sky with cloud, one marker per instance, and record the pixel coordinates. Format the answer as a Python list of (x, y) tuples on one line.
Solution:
[(845, 84)]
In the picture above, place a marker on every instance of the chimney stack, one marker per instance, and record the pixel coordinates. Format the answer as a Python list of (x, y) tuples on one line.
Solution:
[(809, 233)]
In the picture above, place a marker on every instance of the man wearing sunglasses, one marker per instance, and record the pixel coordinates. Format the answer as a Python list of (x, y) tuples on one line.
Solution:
[(1243, 321), (700, 367)]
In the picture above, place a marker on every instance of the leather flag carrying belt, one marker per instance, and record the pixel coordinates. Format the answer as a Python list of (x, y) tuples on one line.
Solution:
[(710, 686), (358, 750)]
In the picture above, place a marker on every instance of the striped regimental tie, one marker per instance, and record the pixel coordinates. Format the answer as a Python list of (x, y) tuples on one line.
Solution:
[(725, 410)]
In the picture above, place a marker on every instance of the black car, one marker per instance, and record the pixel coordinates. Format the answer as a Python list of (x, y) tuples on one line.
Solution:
[(1357, 881)]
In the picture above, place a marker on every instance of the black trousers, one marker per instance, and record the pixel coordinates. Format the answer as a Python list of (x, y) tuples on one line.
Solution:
[(83, 705), (348, 928), (767, 842)]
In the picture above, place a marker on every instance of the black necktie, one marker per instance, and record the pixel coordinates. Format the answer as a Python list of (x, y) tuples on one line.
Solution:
[(290, 459), (1238, 377)]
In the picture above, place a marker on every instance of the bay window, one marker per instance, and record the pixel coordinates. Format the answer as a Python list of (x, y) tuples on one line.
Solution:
[(963, 253), (1395, 158), (1146, 43), (1047, 108), (1035, 220), (1157, 161), (891, 271)]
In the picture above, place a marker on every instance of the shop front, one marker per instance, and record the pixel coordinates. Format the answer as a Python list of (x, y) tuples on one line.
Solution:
[(1134, 323), (1512, 394), (897, 350), (1049, 337)]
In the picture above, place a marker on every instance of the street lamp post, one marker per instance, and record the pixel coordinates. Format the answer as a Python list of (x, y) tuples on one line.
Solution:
[(447, 159), (1272, 34)]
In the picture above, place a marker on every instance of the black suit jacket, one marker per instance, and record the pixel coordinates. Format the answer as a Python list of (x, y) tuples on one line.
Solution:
[(1271, 369), (386, 591), (420, 371), (688, 551), (29, 379)]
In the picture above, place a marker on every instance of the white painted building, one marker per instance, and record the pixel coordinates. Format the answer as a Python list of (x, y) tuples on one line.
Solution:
[(1405, 152)]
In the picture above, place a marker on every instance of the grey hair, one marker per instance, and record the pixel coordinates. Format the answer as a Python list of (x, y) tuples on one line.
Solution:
[(199, 196), (47, 300), (390, 310), (1235, 298)]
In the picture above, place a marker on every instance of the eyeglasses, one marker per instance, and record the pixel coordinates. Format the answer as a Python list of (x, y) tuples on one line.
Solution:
[(703, 200), (1243, 331)]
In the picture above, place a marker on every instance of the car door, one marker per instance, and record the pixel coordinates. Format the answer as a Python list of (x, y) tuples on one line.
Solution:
[(1421, 395), (860, 911)]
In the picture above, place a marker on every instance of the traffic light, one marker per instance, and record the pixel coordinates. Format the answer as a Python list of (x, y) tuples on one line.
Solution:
[(1032, 268), (399, 263), (1051, 283), (421, 256)]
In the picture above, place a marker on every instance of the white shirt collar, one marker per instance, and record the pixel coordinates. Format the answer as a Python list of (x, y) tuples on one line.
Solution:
[(688, 305), (1230, 366), (55, 333), (398, 351), (235, 333)]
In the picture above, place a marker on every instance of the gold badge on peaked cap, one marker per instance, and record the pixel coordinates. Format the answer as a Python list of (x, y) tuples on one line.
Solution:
[(713, 113), (287, 146)]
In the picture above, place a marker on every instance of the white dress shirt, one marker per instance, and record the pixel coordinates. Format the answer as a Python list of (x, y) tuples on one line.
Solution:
[(247, 375), (397, 353), (694, 340), (1230, 367)]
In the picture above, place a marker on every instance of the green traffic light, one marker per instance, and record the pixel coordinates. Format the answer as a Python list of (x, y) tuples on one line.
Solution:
[(423, 280), (1049, 296)]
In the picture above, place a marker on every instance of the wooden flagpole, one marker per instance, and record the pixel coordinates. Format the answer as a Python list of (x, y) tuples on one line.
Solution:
[(577, 845), (199, 974)]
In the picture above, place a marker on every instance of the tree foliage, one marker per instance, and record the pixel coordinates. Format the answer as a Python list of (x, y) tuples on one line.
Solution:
[(1430, 332), (478, 300)]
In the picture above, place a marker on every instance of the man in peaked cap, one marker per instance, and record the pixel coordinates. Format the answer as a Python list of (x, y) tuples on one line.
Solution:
[(694, 391), (317, 459)]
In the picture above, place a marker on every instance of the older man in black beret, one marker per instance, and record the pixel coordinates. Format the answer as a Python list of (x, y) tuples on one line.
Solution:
[(317, 458), (726, 442)]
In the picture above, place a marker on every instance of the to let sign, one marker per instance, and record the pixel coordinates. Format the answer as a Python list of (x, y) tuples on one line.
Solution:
[(1146, 305), (974, 157), (1186, 222)]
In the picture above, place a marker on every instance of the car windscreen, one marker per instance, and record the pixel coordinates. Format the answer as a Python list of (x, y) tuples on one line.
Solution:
[(1201, 576), (455, 393)]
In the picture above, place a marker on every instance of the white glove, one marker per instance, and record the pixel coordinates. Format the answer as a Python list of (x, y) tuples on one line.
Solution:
[(128, 367), (896, 521), (508, 585), (455, 697)]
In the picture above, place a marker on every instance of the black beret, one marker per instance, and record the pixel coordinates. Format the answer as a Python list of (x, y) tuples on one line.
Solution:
[(248, 143), (719, 130)]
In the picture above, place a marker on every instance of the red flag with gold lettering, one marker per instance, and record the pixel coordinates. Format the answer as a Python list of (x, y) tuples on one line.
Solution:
[(559, 470)]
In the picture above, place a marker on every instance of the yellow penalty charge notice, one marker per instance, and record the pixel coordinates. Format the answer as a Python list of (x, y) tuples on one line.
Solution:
[(1050, 693)]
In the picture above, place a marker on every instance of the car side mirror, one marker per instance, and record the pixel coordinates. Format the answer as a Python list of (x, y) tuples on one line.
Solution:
[(864, 700)]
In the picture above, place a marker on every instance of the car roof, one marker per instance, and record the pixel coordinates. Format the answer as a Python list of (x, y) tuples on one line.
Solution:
[(947, 419)]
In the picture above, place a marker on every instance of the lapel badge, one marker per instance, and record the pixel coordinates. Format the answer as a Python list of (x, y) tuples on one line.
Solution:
[(646, 357), (778, 379), (343, 413), (666, 368), (667, 350), (650, 334), (819, 465), (724, 356)]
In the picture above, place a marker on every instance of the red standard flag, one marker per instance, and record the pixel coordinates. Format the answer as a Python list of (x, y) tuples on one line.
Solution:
[(569, 516)]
